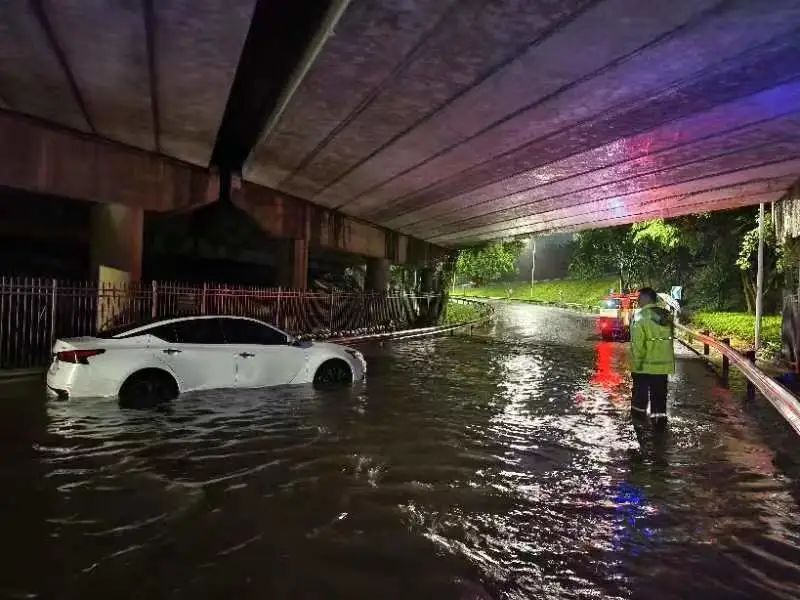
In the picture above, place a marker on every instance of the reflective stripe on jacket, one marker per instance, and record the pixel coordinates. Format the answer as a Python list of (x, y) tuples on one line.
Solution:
[(651, 342)]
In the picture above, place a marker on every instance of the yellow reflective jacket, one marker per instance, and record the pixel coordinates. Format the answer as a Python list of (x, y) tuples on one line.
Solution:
[(651, 341)]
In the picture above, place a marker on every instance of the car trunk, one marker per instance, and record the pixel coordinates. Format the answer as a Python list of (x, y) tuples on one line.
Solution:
[(79, 343)]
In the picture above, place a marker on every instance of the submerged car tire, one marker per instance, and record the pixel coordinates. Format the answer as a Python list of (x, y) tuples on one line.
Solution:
[(334, 372), (146, 388)]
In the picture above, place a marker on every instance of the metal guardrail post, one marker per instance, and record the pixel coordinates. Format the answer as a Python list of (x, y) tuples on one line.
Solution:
[(705, 344), (726, 363), (154, 301)]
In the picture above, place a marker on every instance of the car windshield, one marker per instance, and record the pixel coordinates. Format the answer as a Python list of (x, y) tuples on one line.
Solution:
[(611, 303)]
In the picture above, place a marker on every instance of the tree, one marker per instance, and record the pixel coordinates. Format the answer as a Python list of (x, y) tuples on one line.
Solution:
[(654, 253), (713, 255), (599, 252), (664, 252), (485, 264), (773, 265)]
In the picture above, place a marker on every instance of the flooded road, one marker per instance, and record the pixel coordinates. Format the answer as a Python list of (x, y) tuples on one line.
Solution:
[(502, 465)]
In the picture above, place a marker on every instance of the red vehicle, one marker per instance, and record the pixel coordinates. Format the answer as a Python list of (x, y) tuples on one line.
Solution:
[(615, 315)]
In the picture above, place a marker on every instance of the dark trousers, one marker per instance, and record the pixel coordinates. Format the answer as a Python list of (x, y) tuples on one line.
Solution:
[(652, 389)]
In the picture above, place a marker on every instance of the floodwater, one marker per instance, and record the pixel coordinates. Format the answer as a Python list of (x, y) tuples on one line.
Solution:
[(501, 465)]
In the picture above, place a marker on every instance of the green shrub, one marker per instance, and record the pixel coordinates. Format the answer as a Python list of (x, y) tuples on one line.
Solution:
[(460, 313), (739, 326), (715, 287)]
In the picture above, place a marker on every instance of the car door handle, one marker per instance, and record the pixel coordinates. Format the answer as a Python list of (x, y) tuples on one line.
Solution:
[(172, 351), (246, 354)]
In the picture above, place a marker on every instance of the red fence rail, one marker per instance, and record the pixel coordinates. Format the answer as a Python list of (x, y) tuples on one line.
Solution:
[(35, 312)]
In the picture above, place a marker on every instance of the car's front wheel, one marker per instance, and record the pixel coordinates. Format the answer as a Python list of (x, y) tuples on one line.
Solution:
[(146, 388), (332, 373)]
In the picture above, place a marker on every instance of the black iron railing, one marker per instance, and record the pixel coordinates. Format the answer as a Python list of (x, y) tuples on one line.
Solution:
[(35, 312)]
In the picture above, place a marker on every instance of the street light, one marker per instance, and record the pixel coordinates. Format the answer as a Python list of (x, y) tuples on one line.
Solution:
[(759, 276)]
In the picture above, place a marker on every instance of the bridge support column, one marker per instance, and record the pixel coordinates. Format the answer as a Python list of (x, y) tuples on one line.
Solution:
[(116, 242), (377, 275), (292, 265), (426, 280)]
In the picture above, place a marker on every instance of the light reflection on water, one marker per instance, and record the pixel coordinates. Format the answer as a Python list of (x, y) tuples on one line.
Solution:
[(498, 466)]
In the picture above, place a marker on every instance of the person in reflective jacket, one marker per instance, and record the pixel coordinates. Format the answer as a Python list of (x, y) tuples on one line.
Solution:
[(653, 356)]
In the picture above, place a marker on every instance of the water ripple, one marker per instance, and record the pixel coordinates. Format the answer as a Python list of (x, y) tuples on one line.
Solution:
[(502, 465)]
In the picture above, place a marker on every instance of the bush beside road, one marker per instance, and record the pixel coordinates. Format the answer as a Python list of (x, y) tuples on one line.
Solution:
[(460, 313), (740, 328)]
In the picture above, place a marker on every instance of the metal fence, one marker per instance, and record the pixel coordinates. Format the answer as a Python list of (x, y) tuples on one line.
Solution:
[(35, 312)]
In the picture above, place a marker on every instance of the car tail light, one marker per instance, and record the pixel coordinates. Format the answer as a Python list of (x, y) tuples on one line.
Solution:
[(77, 356)]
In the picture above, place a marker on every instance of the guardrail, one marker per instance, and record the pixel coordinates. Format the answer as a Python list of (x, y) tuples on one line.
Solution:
[(488, 315), (786, 403)]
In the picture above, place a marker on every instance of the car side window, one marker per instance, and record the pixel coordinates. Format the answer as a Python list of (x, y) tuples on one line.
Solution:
[(242, 331), (163, 332), (199, 331)]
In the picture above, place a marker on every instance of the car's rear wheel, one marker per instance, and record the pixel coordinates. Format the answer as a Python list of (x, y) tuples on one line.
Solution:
[(333, 373), (148, 388)]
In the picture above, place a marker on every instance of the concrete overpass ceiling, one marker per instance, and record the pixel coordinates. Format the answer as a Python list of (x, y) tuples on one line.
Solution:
[(154, 74), (463, 121), (454, 121)]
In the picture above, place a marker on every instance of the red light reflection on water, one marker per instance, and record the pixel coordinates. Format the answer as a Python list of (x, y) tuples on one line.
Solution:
[(605, 373)]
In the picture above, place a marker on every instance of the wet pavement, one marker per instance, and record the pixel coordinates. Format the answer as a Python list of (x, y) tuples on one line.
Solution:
[(502, 465)]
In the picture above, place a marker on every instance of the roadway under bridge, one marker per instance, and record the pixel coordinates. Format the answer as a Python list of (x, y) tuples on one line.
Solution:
[(395, 130), (498, 466)]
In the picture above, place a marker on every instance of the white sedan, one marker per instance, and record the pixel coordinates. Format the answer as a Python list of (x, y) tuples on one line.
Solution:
[(163, 358)]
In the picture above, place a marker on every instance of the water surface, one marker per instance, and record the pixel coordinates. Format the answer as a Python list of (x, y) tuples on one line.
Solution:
[(502, 465)]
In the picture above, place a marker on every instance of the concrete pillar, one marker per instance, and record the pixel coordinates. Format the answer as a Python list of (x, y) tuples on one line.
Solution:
[(377, 275), (116, 242), (426, 280), (292, 264)]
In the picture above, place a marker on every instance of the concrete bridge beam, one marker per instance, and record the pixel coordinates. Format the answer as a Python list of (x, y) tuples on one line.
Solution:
[(293, 264), (116, 242), (377, 275), (283, 216), (50, 160)]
